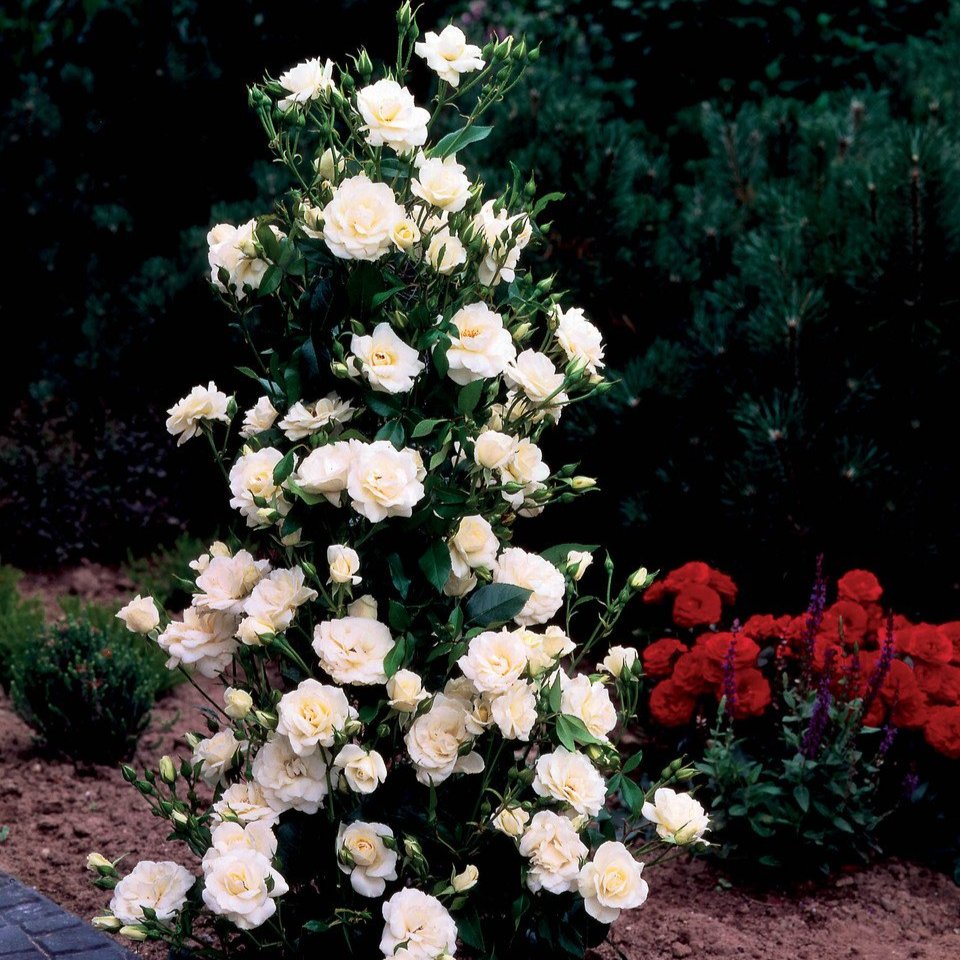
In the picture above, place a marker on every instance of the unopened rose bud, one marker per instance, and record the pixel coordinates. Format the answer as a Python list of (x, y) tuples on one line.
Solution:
[(192, 740), (340, 370), (583, 483), (97, 863), (511, 820), (364, 65), (352, 727), (178, 816), (466, 880), (594, 752), (168, 770), (365, 606), (521, 331), (577, 563), (132, 932), (237, 703), (412, 848), (638, 580), (107, 922), (266, 719)]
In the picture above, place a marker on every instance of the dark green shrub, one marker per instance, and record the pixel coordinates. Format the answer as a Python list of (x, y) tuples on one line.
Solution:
[(86, 694), (21, 621)]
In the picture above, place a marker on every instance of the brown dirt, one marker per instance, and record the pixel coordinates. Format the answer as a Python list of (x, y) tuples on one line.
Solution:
[(90, 581)]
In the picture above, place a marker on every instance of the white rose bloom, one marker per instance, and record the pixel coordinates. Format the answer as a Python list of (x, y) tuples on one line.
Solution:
[(419, 921), (234, 249), (311, 218), (245, 803), (344, 562), (405, 234), (218, 755), (364, 770), (359, 220), (289, 781), (371, 863), (305, 82), (555, 850), (388, 363), (202, 640), (617, 659), (482, 346), (590, 702), (535, 375), (434, 741), (328, 164), (241, 886), (511, 821), (273, 603), (494, 661), (229, 837), (405, 691), (260, 417), (365, 606), (678, 816), (311, 716), (237, 703), (227, 581), (159, 886), (502, 247), (545, 649), (352, 649), (473, 545), (493, 450), (526, 466), (217, 549), (445, 251), (579, 338), (572, 779), (448, 54), (252, 476), (140, 615), (577, 562), (611, 882), (304, 419), (477, 706), (392, 118), (326, 469), (515, 711), (441, 182), (201, 404), (532, 572), (385, 482), (459, 586)]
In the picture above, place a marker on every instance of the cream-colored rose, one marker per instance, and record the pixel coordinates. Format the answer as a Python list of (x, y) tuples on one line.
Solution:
[(362, 853), (389, 364), (343, 562), (466, 879), (244, 803), (679, 817), (435, 739), (237, 703), (251, 479), (481, 348), (539, 380), (226, 582), (229, 837), (242, 886), (617, 659), (493, 450), (365, 606), (140, 615), (385, 482), (545, 649), (405, 234), (494, 661), (273, 603), (304, 419), (217, 549), (201, 405), (504, 238), (405, 691), (572, 779), (326, 469), (579, 338), (203, 640), (312, 715), (441, 182), (305, 82), (590, 702), (392, 117), (234, 249), (352, 649), (448, 54), (525, 467), (260, 417), (359, 220), (311, 220), (577, 563), (218, 755), (511, 821), (287, 780), (515, 711), (459, 586), (419, 921), (364, 770), (473, 545), (162, 887), (328, 165), (533, 573), (611, 882), (445, 251), (555, 850)]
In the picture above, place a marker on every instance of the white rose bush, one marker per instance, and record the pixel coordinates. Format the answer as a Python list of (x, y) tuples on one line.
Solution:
[(413, 753)]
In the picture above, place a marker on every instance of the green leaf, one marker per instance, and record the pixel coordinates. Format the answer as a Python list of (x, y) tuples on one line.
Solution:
[(456, 141), (802, 795), (468, 926), (379, 299), (393, 431), (496, 603), (308, 498), (394, 659), (435, 564), (269, 241), (632, 795), (399, 618), (556, 692), (400, 580), (384, 404), (633, 762), (284, 468), (574, 727), (558, 555), (469, 397), (364, 283), (424, 428), (439, 356), (270, 281)]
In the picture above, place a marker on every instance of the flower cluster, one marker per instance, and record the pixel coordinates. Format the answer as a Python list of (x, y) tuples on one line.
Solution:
[(408, 751)]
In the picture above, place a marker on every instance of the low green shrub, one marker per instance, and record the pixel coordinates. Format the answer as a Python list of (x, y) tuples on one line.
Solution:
[(21, 620)]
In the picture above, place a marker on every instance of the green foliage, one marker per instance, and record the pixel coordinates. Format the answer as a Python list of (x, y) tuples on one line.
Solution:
[(87, 694), (165, 573), (21, 621)]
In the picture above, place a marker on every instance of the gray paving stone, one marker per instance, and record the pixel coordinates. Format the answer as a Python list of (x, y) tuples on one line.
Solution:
[(13, 940), (73, 939)]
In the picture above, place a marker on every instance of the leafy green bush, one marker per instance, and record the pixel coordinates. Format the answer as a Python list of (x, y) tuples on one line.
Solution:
[(21, 621), (86, 694)]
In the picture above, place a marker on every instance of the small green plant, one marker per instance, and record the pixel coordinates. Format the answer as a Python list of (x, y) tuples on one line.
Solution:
[(86, 693), (21, 620)]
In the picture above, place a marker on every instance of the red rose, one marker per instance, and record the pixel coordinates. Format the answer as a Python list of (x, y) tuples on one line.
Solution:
[(696, 606), (939, 682), (724, 585), (901, 692), (658, 656), (669, 706), (688, 673), (925, 642), (952, 630), (850, 615), (716, 647), (753, 694), (860, 586), (942, 731), (694, 572), (763, 626), (656, 592)]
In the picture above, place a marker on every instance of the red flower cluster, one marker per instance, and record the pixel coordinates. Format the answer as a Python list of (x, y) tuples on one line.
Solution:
[(915, 685)]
